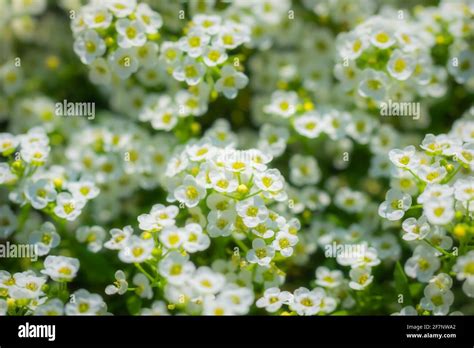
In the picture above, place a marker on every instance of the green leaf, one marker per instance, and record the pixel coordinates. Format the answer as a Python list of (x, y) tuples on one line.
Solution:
[(401, 284)]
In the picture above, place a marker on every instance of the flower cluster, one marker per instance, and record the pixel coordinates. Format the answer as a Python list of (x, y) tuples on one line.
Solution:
[(55, 190)]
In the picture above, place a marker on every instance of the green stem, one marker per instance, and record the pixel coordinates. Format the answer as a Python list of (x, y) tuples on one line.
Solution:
[(144, 272)]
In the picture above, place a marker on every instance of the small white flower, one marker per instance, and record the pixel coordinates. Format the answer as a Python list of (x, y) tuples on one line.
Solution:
[(395, 205), (119, 238), (190, 71), (61, 268), (45, 239), (381, 37), (284, 243), (415, 229), (150, 19), (252, 210), (89, 46), (273, 299), (94, 237), (260, 253), (85, 303), (431, 174), (190, 192), (8, 221), (328, 279), (400, 65), (437, 301), (439, 211), (130, 33), (206, 282), (176, 268), (310, 125), (160, 216), (214, 55), (136, 250), (120, 285), (373, 84), (124, 62), (195, 239), (40, 193), (84, 189), (405, 158), (99, 72), (194, 42), (68, 207), (304, 170), (121, 8), (98, 17), (283, 104), (230, 81), (422, 264), (360, 278), (143, 287)]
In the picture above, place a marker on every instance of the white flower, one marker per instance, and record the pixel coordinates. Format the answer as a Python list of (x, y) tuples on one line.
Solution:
[(360, 278), (395, 205), (381, 37), (176, 268), (36, 154), (94, 237), (89, 46), (252, 210), (84, 189), (464, 190), (373, 84), (27, 286), (230, 81), (120, 285), (400, 65), (97, 17), (283, 104), (99, 72), (214, 55), (273, 139), (85, 303), (130, 33), (306, 302), (415, 229), (136, 250), (435, 191), (269, 180), (172, 237), (463, 71), (327, 278), (147, 55), (160, 216), (464, 268), (119, 238), (190, 192), (143, 287), (195, 239), (241, 298), (61, 268), (207, 282), (68, 207), (220, 222), (8, 143), (8, 221), (422, 264), (223, 181), (431, 174), (304, 170), (52, 307), (124, 62), (284, 242), (351, 45), (194, 42), (190, 71), (349, 200), (45, 239), (439, 211), (150, 19), (260, 253), (273, 299), (405, 158), (40, 193), (121, 8), (310, 125), (437, 301)]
